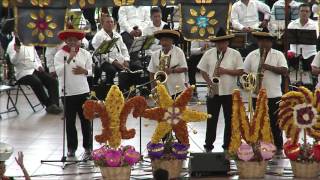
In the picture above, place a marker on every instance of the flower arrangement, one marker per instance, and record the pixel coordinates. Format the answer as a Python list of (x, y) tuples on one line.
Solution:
[(113, 113), (172, 116), (251, 140), (109, 157), (298, 112)]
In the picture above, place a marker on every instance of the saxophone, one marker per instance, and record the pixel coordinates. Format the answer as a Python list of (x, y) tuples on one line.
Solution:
[(259, 77), (214, 89), (164, 62)]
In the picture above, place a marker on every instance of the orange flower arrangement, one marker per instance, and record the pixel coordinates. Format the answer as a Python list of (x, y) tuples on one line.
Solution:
[(114, 113)]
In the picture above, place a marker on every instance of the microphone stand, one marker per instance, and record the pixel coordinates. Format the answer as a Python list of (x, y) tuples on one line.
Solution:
[(63, 159)]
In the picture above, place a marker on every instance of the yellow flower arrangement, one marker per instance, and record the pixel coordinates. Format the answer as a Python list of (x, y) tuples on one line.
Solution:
[(173, 114), (258, 129)]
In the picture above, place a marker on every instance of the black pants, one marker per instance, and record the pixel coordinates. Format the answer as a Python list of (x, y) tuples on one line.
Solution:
[(39, 79), (127, 39), (73, 106), (192, 69), (213, 107), (125, 79), (89, 13), (273, 115)]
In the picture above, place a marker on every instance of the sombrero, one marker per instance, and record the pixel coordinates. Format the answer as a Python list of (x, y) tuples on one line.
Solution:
[(71, 32), (175, 35), (221, 36), (5, 151), (264, 34)]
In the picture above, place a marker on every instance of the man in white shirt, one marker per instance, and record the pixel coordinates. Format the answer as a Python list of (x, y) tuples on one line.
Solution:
[(316, 68), (278, 26), (245, 17), (115, 61), (29, 71), (225, 64), (132, 20), (72, 65), (156, 25), (272, 68), (306, 52), (173, 60)]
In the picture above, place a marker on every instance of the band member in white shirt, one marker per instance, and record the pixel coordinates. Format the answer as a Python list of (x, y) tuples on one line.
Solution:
[(29, 71), (272, 68), (156, 25), (173, 60), (223, 64), (73, 64), (132, 20), (245, 17), (308, 51), (115, 61)]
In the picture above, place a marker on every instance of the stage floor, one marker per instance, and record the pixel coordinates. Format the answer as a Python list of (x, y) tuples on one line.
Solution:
[(39, 136)]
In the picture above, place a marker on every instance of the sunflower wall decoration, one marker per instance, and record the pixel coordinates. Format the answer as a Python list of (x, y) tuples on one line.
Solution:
[(201, 21), (42, 25)]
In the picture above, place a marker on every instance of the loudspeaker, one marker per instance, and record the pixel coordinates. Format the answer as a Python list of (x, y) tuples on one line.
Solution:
[(208, 164)]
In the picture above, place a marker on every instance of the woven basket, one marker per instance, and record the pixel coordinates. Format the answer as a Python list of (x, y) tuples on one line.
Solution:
[(251, 169), (305, 170), (172, 166), (116, 173)]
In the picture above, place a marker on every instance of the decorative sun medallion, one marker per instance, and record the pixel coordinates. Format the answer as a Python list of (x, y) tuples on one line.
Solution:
[(202, 22), (298, 111), (123, 2), (42, 25), (82, 3)]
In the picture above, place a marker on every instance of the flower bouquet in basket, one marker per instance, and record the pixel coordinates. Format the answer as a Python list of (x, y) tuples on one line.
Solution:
[(298, 113), (170, 142), (115, 161), (251, 144)]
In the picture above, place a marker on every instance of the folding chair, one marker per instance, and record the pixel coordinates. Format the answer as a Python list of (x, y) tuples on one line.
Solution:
[(7, 90), (20, 88)]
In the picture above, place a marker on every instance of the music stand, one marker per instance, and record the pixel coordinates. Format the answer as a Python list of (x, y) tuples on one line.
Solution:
[(141, 44), (105, 46), (301, 36), (279, 13)]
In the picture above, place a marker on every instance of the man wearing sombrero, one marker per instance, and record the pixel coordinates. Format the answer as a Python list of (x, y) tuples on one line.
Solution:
[(225, 64), (173, 60), (271, 64), (74, 64)]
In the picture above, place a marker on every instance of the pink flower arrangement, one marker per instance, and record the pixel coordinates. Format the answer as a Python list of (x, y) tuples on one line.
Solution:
[(108, 157)]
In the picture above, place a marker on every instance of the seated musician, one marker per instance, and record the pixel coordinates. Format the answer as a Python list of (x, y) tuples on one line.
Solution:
[(132, 20), (117, 60), (156, 25), (271, 64), (245, 17), (169, 59), (277, 27), (308, 51)]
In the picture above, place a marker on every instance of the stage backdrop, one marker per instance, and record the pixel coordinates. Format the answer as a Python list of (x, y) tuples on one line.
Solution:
[(39, 21)]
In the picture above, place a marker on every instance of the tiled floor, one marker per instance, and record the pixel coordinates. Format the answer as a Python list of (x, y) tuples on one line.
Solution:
[(40, 137)]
